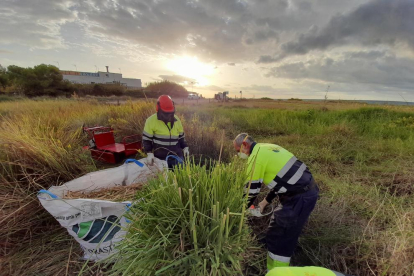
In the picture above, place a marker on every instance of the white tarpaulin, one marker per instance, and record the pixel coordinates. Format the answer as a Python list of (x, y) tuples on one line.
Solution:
[(97, 224)]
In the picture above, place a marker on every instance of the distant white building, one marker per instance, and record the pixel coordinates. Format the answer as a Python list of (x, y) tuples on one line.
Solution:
[(100, 77)]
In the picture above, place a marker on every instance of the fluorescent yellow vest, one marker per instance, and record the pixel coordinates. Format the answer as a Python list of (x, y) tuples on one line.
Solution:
[(163, 139), (269, 159), (301, 271), (159, 129)]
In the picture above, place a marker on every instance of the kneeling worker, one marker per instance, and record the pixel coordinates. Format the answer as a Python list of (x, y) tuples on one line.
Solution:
[(286, 177), (163, 134)]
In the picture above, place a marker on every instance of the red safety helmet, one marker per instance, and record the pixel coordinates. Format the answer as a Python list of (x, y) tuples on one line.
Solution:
[(165, 103)]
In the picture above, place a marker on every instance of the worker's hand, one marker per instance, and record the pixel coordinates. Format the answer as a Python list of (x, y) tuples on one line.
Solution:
[(150, 159), (186, 152), (262, 205)]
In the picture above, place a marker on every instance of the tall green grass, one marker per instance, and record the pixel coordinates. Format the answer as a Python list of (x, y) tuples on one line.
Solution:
[(369, 122), (191, 223)]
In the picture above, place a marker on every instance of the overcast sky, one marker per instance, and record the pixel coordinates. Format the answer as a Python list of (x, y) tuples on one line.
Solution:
[(266, 48)]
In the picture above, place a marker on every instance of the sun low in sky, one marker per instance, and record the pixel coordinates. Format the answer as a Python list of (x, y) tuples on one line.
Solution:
[(361, 49), (192, 68)]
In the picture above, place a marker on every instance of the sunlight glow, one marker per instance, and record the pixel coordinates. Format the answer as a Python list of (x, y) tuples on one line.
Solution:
[(191, 67)]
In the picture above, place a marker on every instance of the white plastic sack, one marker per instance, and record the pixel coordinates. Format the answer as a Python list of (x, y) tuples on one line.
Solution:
[(97, 225)]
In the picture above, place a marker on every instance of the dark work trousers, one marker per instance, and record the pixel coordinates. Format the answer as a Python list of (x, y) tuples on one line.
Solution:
[(288, 220)]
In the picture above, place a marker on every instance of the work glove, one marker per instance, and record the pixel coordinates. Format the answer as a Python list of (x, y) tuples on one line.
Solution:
[(150, 159), (186, 152), (262, 205)]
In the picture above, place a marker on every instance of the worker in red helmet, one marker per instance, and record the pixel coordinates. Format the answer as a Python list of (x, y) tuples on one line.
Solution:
[(163, 134)]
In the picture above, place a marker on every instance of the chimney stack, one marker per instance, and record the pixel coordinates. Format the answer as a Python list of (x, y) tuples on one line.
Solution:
[(107, 69)]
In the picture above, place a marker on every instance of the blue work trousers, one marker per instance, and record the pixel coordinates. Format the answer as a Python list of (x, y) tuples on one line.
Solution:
[(288, 221)]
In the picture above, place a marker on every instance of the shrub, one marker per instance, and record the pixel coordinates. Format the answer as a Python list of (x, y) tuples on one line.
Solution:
[(41, 80), (167, 87)]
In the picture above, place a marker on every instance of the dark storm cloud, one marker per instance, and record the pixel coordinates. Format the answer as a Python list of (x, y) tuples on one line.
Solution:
[(366, 55), (220, 30), (265, 35), (305, 5), (33, 23), (209, 29), (5, 52), (363, 68), (267, 59), (374, 23)]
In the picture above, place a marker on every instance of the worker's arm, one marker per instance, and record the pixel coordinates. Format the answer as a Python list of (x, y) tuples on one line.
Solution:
[(271, 195), (255, 173), (148, 136), (181, 136)]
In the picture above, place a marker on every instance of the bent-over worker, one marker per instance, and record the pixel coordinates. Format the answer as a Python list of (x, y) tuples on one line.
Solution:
[(286, 177)]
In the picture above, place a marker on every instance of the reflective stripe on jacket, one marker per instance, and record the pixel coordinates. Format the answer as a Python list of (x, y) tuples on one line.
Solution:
[(276, 167), (163, 139)]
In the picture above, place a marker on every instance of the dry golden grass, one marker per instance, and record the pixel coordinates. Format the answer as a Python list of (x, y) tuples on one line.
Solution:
[(362, 156), (118, 193)]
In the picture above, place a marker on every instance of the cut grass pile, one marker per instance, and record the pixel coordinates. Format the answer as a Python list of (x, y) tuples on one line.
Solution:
[(118, 193)]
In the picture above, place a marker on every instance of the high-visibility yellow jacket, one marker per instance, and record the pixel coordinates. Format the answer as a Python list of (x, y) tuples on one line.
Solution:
[(277, 168), (163, 138), (302, 271)]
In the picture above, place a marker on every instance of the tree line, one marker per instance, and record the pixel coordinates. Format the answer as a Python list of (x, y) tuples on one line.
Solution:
[(46, 80)]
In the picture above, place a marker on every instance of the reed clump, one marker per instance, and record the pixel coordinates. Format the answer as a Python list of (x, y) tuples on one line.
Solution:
[(190, 223)]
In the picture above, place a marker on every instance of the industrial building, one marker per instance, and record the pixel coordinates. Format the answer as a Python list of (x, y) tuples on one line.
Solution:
[(100, 77)]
